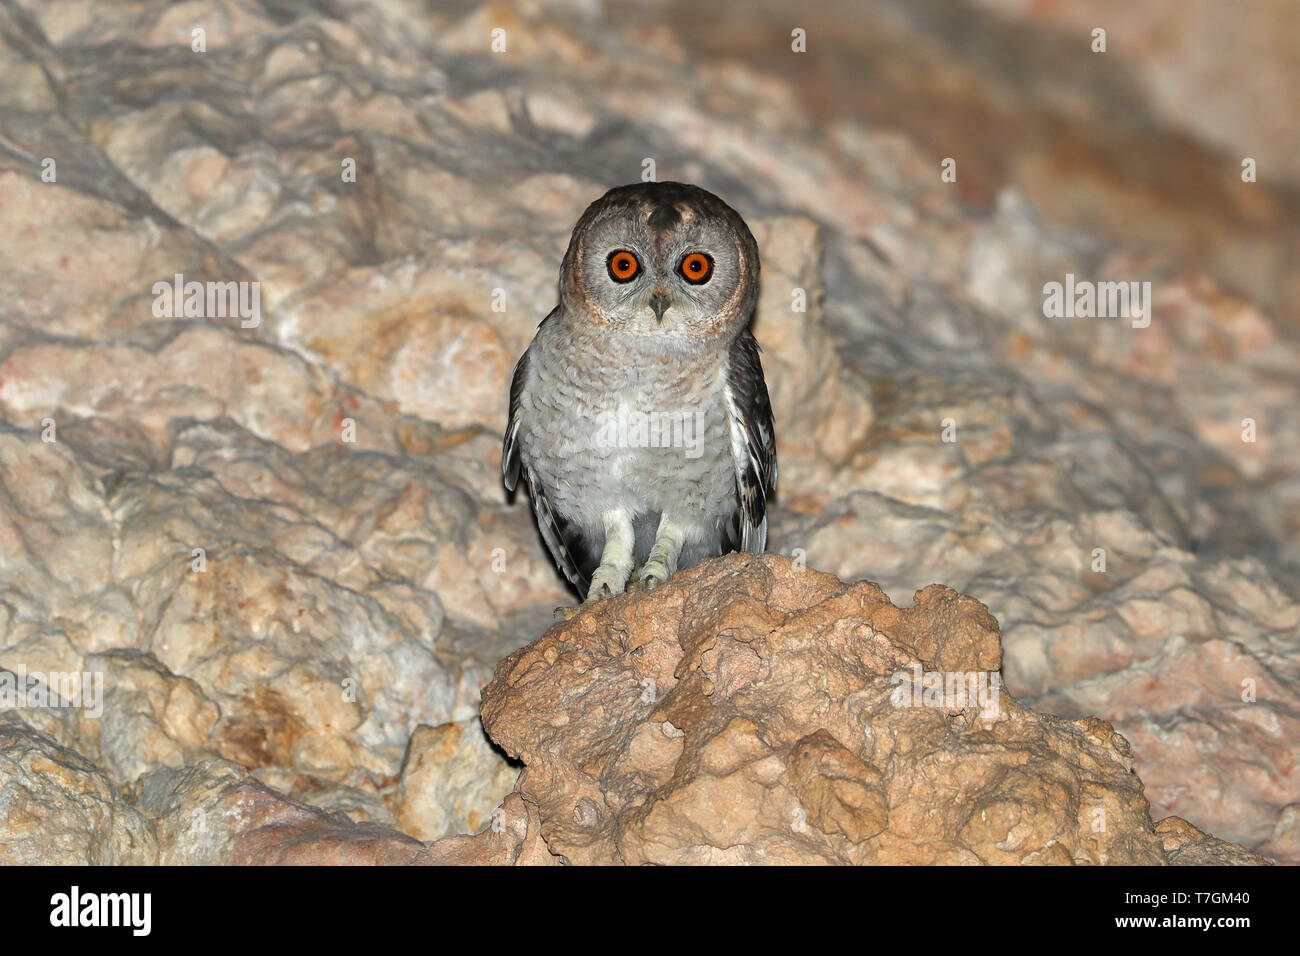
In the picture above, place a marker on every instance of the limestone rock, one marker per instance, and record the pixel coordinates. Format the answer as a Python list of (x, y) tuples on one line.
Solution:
[(283, 543), (513, 840), (751, 711), (1187, 846), (56, 808), (215, 813), (452, 780)]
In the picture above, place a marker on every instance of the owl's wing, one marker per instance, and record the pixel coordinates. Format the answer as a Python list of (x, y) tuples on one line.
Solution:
[(753, 443), (566, 546), (510, 457)]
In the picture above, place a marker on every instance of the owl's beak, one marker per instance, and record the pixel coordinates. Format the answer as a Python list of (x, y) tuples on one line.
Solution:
[(659, 302)]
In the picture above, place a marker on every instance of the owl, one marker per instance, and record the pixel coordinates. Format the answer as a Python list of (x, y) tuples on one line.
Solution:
[(639, 417)]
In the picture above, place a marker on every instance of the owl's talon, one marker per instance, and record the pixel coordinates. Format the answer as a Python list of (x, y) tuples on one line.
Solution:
[(652, 574), (609, 580), (597, 594), (644, 582)]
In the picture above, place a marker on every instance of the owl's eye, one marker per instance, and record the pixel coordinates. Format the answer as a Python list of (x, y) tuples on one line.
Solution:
[(622, 266), (696, 268)]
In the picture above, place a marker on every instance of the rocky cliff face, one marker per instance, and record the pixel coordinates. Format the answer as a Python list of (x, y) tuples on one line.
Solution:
[(276, 540)]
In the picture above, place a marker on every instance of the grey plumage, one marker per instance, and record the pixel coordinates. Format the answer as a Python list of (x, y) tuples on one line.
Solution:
[(751, 412), (656, 293)]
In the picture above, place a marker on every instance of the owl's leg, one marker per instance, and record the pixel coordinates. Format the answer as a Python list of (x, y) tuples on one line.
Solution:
[(662, 561), (616, 560)]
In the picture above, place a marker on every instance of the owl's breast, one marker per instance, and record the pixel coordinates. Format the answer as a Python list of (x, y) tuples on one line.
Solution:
[(634, 431)]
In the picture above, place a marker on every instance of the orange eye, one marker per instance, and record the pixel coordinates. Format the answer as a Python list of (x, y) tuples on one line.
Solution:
[(696, 268), (622, 265)]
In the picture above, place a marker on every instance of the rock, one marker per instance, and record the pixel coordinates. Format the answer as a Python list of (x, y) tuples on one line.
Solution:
[(58, 809), (151, 717), (512, 840), (452, 779), (1187, 846), (215, 813), (282, 541), (1284, 842), (751, 711), (747, 711)]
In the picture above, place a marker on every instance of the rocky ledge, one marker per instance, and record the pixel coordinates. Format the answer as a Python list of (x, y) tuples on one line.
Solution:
[(748, 711), (754, 711)]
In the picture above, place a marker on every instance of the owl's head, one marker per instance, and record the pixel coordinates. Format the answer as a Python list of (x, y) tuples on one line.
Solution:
[(663, 259)]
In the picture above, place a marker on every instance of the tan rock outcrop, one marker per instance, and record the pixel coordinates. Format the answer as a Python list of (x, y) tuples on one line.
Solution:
[(752, 711), (451, 781)]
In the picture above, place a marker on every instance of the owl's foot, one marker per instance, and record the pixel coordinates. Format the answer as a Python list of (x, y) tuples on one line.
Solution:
[(662, 562), (605, 583), (615, 567), (609, 579), (568, 613), (652, 574)]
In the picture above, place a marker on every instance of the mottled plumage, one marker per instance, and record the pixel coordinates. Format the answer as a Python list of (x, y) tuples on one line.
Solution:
[(639, 418)]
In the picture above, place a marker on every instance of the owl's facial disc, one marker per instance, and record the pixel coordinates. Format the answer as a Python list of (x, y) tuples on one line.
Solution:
[(663, 261)]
